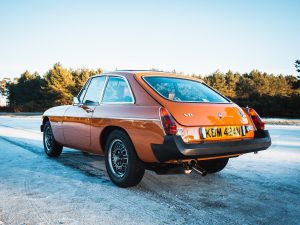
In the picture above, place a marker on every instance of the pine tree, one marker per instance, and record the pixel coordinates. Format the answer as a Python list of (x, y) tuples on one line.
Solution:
[(26, 94), (3, 87), (217, 80), (297, 65), (231, 80), (59, 84), (80, 76)]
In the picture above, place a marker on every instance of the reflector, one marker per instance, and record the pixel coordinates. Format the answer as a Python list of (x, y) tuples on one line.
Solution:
[(168, 122)]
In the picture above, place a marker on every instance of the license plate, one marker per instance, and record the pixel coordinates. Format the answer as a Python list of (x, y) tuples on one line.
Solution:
[(223, 132)]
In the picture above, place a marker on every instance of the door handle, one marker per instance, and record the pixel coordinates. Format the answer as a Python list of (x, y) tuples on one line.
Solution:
[(88, 110)]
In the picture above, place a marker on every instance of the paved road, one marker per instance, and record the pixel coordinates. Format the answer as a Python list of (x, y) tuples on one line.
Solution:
[(74, 189)]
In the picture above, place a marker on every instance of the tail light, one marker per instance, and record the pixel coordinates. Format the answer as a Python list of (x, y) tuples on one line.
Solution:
[(259, 124), (167, 122)]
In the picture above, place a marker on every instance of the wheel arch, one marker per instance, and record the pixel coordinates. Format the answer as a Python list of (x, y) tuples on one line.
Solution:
[(107, 131), (45, 119)]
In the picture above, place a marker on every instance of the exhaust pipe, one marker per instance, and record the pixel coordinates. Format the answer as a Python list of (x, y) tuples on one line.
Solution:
[(199, 170), (193, 165)]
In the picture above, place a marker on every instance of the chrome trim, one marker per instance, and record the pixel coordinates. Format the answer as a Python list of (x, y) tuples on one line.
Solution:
[(104, 87), (130, 90), (243, 130), (115, 103), (128, 118), (111, 158), (88, 82), (201, 82)]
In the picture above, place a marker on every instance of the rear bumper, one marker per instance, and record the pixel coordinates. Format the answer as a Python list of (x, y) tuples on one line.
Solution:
[(174, 148)]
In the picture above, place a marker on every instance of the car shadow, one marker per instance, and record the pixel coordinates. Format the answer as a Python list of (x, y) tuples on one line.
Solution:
[(94, 166)]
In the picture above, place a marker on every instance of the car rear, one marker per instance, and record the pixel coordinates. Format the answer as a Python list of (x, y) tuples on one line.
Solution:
[(199, 122)]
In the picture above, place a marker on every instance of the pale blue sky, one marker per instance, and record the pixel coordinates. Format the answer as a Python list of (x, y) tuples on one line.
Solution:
[(189, 36)]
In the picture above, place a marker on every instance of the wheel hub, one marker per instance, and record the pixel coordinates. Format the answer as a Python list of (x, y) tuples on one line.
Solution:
[(48, 138), (118, 158)]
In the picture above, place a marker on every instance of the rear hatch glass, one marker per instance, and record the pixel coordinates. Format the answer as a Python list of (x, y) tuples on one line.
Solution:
[(183, 90), (193, 103)]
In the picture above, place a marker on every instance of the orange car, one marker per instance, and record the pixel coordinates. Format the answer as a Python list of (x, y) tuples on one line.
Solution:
[(153, 120)]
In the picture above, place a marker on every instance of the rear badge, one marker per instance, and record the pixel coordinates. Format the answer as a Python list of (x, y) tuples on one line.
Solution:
[(188, 114), (220, 115)]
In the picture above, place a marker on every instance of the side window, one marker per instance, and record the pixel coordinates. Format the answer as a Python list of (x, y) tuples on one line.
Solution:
[(117, 90), (94, 90), (83, 90)]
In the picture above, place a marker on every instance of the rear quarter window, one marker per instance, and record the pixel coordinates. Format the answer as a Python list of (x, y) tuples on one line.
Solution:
[(117, 91)]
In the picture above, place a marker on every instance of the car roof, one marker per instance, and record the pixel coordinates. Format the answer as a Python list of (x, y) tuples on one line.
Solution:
[(140, 73), (133, 72)]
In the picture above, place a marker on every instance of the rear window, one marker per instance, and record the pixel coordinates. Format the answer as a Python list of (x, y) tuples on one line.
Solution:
[(183, 90)]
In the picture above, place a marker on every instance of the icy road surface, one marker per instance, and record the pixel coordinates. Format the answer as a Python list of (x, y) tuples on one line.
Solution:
[(75, 189)]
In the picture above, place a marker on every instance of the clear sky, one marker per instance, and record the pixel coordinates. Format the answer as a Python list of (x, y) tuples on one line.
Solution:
[(189, 36)]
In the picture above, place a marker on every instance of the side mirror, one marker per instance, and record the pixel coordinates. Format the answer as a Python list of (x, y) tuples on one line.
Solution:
[(75, 101)]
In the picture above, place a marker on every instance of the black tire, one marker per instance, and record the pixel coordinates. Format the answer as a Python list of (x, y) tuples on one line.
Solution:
[(123, 166), (213, 165), (51, 147)]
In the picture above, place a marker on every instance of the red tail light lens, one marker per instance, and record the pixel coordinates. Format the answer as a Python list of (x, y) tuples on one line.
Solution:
[(167, 122), (259, 124)]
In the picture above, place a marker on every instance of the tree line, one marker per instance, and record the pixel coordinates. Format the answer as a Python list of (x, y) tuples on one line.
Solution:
[(271, 95), (34, 93)]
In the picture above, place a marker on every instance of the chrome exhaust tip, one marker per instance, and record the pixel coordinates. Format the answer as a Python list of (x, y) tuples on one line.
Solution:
[(193, 165), (199, 170)]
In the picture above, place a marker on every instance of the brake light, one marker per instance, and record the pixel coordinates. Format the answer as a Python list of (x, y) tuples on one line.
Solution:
[(168, 122), (259, 124)]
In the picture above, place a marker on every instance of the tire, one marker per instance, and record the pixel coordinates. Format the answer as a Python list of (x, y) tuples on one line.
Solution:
[(51, 147), (122, 163), (214, 165)]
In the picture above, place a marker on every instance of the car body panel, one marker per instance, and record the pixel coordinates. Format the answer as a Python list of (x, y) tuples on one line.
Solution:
[(199, 114), (141, 123), (77, 127), (56, 118), (82, 126)]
